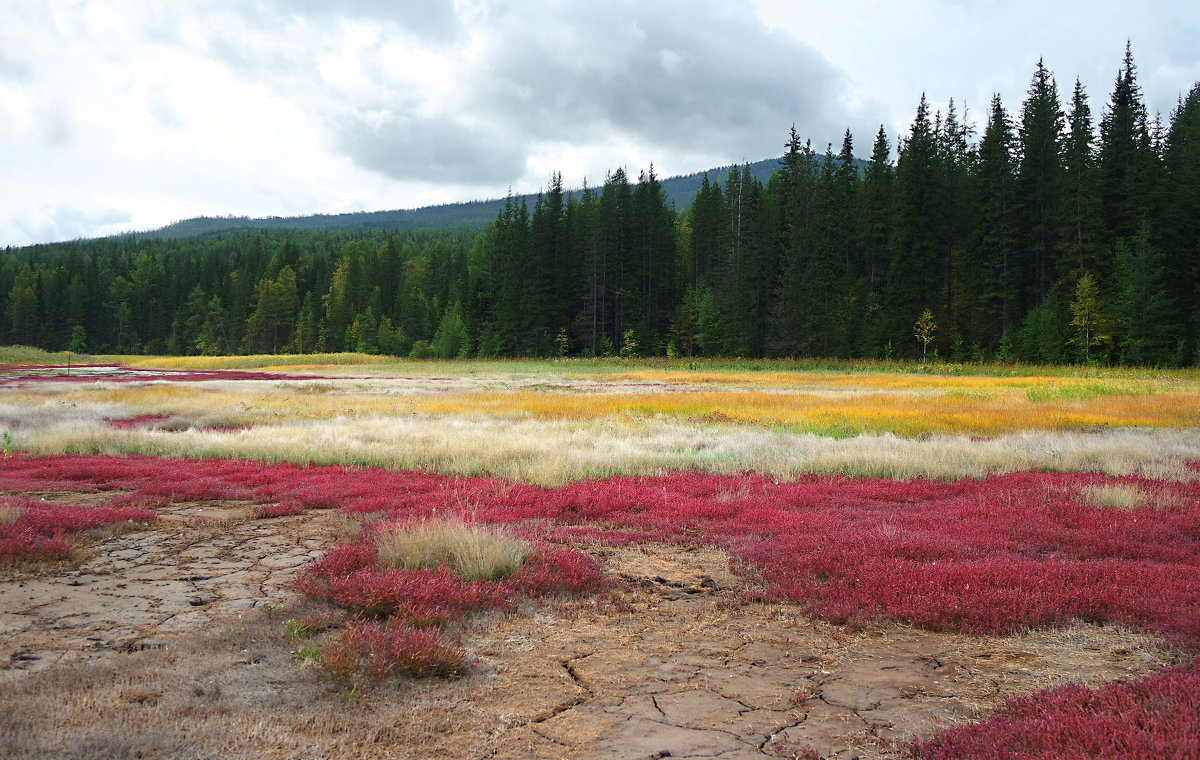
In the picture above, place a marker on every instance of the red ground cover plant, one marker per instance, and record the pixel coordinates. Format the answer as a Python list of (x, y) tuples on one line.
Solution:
[(43, 531), (998, 554), (1153, 717), (376, 650), (283, 509), (141, 420)]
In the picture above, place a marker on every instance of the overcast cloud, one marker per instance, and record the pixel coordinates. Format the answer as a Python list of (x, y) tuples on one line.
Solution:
[(128, 114)]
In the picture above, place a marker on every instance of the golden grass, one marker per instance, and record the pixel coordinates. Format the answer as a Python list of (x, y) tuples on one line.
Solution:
[(906, 414), (834, 413), (473, 551)]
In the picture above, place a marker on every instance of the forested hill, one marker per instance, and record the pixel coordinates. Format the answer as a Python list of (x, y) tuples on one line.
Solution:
[(1056, 231), (470, 216)]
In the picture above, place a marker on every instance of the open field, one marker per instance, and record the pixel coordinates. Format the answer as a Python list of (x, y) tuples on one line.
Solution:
[(704, 560)]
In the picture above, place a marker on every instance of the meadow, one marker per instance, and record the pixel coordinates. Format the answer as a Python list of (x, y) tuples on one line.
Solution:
[(974, 501)]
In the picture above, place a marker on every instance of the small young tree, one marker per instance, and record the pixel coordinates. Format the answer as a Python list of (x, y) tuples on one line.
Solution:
[(77, 345), (923, 330), (1085, 315)]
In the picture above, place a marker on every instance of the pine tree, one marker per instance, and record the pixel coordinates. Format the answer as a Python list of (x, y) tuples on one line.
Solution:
[(1081, 231), (1125, 158), (1087, 317), (1146, 323), (797, 190), (917, 264), (995, 291), (1180, 219), (1039, 185), (875, 218)]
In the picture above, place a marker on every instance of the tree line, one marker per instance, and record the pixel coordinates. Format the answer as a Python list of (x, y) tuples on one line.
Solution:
[(1046, 235)]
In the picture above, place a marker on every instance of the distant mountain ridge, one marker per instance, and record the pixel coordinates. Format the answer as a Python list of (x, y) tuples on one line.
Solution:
[(679, 190)]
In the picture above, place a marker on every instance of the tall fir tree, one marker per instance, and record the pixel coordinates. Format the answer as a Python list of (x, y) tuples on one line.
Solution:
[(1081, 231), (1039, 185), (995, 286)]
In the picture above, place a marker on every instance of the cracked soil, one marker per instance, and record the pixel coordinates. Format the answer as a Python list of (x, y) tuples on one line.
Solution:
[(168, 642)]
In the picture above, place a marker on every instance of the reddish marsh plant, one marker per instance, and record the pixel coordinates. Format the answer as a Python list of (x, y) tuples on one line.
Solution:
[(1152, 718), (35, 530)]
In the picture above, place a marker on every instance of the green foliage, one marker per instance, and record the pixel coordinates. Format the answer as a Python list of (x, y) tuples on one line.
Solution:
[(1087, 318)]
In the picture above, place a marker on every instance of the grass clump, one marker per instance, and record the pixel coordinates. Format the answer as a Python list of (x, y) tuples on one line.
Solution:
[(9, 514), (472, 551), (1124, 496)]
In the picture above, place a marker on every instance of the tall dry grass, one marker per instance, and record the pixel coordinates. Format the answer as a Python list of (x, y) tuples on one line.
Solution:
[(9, 514), (552, 452), (473, 551)]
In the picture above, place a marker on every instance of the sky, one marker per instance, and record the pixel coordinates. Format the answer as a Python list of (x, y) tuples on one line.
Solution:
[(120, 115)]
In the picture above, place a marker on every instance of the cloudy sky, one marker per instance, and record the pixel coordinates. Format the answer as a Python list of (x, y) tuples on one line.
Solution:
[(130, 114)]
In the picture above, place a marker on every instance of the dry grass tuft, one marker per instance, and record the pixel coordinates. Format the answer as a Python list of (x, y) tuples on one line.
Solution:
[(1125, 496), (1114, 496), (9, 514), (472, 551)]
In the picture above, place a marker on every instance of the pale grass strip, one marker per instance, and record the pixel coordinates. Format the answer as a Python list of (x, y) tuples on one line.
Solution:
[(552, 452)]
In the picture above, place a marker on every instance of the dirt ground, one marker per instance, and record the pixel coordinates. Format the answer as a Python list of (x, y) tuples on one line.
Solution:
[(169, 642)]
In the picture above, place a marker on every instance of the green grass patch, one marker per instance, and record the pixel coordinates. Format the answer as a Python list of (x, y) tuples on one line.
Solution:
[(26, 355), (1087, 392)]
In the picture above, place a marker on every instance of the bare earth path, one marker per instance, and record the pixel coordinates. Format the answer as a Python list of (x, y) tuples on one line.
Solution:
[(168, 642)]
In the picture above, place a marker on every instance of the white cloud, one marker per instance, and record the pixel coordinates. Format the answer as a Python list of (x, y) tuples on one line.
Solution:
[(121, 112)]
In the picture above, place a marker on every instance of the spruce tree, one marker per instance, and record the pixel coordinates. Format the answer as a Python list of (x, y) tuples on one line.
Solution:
[(1180, 225), (917, 263), (1081, 230), (875, 231), (1125, 158), (995, 288), (1039, 185)]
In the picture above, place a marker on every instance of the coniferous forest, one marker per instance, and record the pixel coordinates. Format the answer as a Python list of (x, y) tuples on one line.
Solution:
[(1056, 230)]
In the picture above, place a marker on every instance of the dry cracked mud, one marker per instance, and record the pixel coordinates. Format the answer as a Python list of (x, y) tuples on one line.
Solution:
[(168, 642)]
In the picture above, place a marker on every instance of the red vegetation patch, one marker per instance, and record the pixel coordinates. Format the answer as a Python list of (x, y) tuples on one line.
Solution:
[(42, 531), (1152, 718), (992, 555), (114, 373), (377, 650), (399, 616), (283, 509), (142, 420), (998, 554)]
